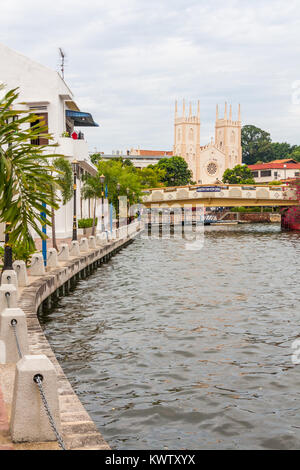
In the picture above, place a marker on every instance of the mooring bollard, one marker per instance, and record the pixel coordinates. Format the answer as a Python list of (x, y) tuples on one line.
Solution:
[(92, 243), (8, 296), (99, 240), (9, 276), (20, 269), (14, 334), (37, 267), (52, 261), (84, 245), (74, 249), (63, 254), (30, 420)]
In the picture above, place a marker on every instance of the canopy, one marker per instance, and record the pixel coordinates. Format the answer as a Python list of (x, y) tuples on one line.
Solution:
[(81, 119)]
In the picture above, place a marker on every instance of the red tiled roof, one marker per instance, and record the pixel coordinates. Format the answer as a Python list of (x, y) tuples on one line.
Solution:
[(275, 166), (155, 153)]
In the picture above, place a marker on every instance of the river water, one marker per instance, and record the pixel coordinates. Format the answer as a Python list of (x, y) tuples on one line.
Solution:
[(175, 349)]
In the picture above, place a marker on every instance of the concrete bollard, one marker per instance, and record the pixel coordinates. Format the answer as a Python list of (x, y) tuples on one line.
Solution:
[(52, 261), (9, 276), (84, 244), (7, 334), (29, 421), (74, 249), (20, 268), (64, 253), (8, 296), (99, 240), (37, 267), (92, 243)]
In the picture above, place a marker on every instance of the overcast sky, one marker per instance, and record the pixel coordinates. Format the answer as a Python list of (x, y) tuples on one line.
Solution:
[(128, 60)]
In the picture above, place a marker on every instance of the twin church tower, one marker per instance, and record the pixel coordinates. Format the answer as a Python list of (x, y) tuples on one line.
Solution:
[(208, 162)]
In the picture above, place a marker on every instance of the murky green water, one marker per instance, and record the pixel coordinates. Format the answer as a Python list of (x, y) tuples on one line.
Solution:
[(169, 348)]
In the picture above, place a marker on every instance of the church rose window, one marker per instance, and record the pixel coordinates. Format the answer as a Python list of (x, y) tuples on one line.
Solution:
[(212, 168)]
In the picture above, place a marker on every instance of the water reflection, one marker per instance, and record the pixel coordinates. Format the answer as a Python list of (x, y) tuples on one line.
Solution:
[(169, 348)]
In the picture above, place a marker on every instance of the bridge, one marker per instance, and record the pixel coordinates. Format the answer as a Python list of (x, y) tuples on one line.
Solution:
[(221, 195)]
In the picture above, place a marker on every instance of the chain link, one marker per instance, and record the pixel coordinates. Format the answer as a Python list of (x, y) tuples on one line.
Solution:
[(14, 324), (38, 379)]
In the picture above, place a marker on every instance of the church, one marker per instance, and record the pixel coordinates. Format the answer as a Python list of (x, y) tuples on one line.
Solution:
[(208, 162)]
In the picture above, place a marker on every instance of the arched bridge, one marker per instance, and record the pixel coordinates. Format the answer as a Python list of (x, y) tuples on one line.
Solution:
[(221, 196)]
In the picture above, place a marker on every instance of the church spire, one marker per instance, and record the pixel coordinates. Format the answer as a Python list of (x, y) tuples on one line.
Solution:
[(190, 114), (176, 108), (198, 112), (239, 118), (217, 112), (230, 113), (183, 108), (225, 114)]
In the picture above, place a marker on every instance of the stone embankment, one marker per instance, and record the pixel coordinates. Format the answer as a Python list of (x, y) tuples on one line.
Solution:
[(76, 427)]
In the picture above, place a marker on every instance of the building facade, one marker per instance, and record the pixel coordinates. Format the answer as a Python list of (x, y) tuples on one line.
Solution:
[(43, 92), (208, 162), (276, 170)]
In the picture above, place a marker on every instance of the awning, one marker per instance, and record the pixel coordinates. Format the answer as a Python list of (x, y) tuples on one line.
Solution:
[(81, 119)]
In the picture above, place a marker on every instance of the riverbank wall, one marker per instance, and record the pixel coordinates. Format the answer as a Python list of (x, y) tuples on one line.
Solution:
[(77, 428)]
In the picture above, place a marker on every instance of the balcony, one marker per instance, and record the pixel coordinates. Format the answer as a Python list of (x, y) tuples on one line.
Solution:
[(72, 148)]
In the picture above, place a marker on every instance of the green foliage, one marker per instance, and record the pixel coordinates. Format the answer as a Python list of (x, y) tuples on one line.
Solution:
[(256, 144), (176, 171), (240, 174), (26, 178), (274, 183), (86, 223), (250, 210), (259, 148), (64, 178), (20, 251)]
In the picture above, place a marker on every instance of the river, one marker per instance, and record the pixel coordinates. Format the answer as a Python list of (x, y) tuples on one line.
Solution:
[(175, 349)]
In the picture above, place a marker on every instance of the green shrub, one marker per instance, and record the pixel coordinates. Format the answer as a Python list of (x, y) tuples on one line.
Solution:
[(86, 223)]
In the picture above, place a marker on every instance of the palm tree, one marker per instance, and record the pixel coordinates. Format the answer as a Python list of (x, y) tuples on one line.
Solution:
[(26, 178), (64, 183), (92, 189)]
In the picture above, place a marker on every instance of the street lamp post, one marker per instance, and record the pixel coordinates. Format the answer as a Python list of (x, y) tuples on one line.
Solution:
[(102, 179), (127, 191), (8, 256), (74, 164), (118, 205), (284, 166)]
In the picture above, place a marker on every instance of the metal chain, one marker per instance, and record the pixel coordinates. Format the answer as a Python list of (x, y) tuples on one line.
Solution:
[(14, 324), (38, 379)]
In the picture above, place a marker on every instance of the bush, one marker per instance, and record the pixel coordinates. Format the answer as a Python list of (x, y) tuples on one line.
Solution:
[(86, 223)]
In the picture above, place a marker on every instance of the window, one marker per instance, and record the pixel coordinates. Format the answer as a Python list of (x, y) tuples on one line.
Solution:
[(43, 121), (265, 173), (297, 173), (254, 174)]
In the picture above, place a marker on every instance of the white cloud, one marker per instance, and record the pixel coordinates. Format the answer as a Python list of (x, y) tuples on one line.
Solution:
[(127, 60)]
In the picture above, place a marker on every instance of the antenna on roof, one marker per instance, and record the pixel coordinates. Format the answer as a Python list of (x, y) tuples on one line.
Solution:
[(62, 65)]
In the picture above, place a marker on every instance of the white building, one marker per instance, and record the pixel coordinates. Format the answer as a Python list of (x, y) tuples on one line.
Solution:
[(208, 162), (275, 171), (45, 93)]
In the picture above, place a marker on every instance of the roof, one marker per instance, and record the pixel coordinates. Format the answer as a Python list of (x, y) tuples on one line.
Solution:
[(154, 153), (275, 166)]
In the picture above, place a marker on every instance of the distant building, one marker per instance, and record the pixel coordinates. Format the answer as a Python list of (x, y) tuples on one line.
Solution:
[(208, 162), (275, 171), (140, 158)]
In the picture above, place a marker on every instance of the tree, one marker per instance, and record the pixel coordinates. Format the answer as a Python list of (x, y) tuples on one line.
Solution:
[(240, 174), (151, 176), (256, 145), (176, 170), (26, 178), (295, 154), (63, 183), (92, 189)]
